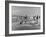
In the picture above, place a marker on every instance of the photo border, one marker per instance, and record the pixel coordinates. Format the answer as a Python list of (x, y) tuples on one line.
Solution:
[(7, 17)]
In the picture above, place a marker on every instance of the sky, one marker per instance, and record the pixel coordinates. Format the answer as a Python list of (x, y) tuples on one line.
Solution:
[(30, 11)]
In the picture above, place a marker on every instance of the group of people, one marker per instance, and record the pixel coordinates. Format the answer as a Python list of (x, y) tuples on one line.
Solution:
[(26, 18)]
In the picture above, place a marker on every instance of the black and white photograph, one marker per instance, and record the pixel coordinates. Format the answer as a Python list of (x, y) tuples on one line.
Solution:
[(25, 18)]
